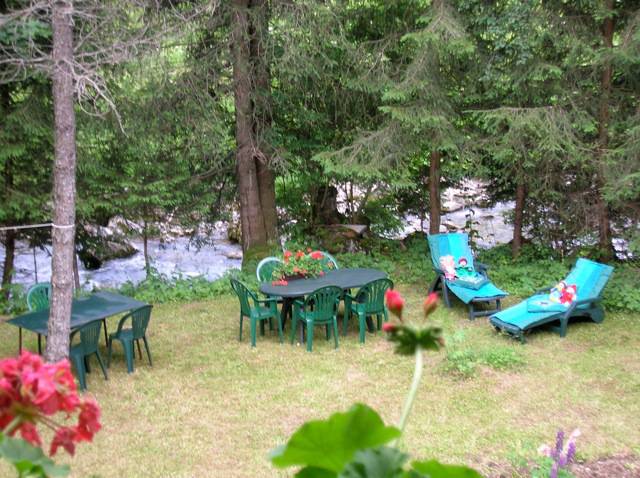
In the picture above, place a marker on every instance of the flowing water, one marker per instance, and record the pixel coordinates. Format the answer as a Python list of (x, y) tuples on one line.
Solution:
[(179, 257)]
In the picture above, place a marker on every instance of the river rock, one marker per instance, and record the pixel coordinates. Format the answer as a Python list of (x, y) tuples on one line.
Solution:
[(337, 238), (233, 254), (98, 244)]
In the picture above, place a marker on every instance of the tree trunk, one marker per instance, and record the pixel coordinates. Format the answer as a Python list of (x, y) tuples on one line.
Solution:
[(262, 115), (434, 193), (9, 256), (602, 209), (251, 216), (521, 195), (64, 184)]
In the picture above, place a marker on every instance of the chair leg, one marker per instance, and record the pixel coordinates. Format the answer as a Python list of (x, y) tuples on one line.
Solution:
[(309, 336), (128, 353), (79, 363), (327, 331), (347, 314), (335, 331), (87, 367), (139, 350), (146, 347), (362, 324), (270, 323), (240, 336), (101, 363), (445, 294), (253, 331), (262, 327)]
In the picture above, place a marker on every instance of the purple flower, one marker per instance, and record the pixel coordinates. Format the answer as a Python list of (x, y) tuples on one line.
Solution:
[(571, 452), (559, 445)]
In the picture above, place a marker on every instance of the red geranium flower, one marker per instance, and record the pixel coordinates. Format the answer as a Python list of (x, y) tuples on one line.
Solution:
[(287, 255), (395, 302), (430, 303), (389, 327), (32, 391), (299, 255), (317, 255)]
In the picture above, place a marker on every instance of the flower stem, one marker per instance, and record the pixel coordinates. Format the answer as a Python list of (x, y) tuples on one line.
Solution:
[(411, 396), (13, 424)]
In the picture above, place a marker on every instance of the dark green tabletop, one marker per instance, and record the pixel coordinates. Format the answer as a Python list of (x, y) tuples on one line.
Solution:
[(343, 278), (84, 310)]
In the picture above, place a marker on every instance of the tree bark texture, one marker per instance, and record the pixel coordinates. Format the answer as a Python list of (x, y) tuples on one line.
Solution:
[(262, 117), (602, 209), (64, 184), (251, 216), (9, 257), (434, 193), (521, 196)]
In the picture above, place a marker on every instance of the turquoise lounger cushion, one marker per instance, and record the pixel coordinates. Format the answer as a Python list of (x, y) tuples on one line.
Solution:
[(485, 292)]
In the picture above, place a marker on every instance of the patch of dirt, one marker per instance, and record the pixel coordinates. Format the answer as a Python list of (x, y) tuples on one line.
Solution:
[(617, 466)]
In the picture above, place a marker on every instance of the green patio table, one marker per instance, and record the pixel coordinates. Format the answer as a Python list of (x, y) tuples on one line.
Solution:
[(297, 288), (94, 307)]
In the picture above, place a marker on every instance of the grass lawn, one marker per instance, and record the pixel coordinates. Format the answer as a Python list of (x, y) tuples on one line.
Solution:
[(211, 406)]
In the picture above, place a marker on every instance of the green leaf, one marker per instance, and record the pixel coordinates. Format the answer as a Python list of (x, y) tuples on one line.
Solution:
[(332, 443), (29, 460), (408, 339), (381, 462), (315, 472), (435, 469)]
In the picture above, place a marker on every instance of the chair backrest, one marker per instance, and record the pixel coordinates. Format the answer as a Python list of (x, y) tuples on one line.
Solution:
[(328, 262), (140, 321), (244, 294), (323, 302), (371, 295), (264, 271), (89, 337), (454, 244), (590, 277), (38, 296)]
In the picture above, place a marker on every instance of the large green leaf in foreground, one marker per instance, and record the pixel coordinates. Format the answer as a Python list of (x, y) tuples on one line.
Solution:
[(331, 444)]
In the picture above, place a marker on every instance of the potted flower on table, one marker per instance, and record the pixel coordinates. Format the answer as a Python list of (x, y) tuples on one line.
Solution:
[(299, 265)]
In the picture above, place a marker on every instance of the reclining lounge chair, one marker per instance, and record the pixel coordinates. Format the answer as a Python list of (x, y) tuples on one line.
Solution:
[(457, 245), (590, 279)]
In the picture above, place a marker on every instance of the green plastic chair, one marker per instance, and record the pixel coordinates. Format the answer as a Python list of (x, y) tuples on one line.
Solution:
[(38, 296), (88, 345), (457, 245), (328, 262), (589, 276), (138, 330), (262, 309), (369, 301), (319, 308), (264, 271)]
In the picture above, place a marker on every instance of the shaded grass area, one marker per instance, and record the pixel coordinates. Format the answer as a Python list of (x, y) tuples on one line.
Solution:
[(211, 406)]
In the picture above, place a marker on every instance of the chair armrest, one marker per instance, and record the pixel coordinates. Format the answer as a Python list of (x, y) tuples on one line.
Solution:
[(544, 290), (267, 300), (578, 303), (121, 323)]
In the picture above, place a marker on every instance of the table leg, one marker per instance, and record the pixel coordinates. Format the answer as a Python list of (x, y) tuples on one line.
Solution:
[(106, 335), (285, 311), (39, 344), (19, 340)]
